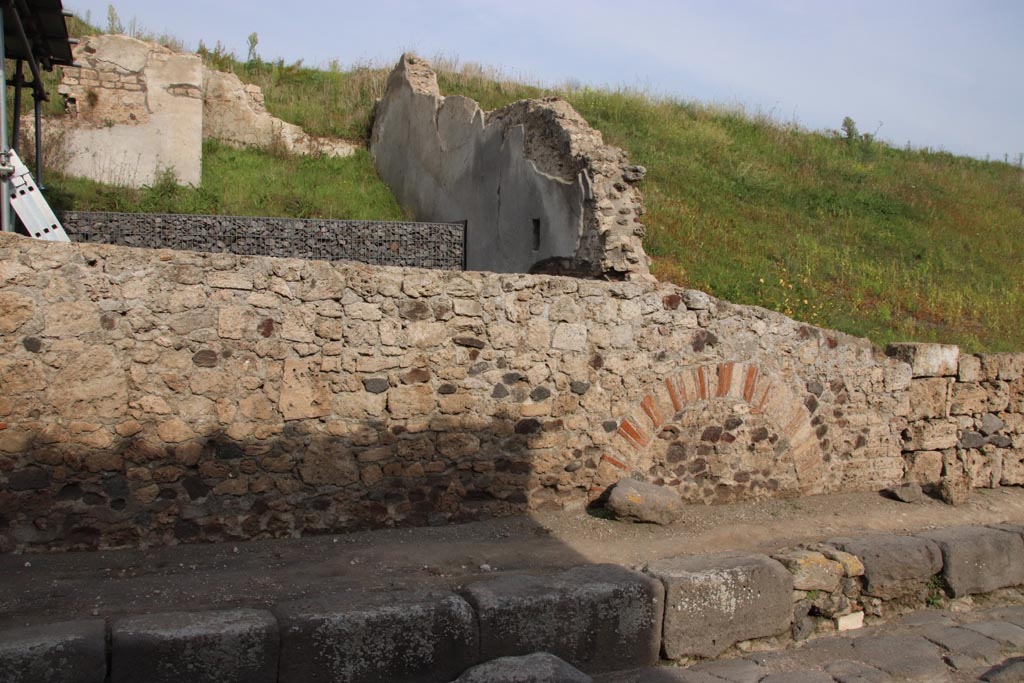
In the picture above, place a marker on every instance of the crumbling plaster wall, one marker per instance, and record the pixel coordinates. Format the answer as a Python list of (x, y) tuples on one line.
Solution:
[(155, 395), (136, 110), (533, 180)]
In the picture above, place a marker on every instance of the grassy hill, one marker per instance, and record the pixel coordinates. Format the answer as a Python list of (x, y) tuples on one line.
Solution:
[(835, 229)]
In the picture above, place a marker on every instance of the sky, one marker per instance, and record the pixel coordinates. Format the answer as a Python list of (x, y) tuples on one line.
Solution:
[(943, 74)]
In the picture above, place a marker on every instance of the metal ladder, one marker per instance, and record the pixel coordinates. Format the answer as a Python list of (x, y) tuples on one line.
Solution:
[(28, 201)]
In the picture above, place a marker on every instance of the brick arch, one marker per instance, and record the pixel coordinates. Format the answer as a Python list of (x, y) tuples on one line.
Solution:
[(764, 393)]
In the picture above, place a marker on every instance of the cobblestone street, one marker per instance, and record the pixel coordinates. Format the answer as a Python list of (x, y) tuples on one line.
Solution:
[(932, 646)]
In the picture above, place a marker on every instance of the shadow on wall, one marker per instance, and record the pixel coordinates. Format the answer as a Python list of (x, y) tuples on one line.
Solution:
[(217, 489)]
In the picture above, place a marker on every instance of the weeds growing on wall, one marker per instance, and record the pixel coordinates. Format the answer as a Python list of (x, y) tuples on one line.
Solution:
[(835, 228)]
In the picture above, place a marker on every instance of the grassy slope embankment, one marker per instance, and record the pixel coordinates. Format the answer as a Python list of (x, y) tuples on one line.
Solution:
[(843, 232)]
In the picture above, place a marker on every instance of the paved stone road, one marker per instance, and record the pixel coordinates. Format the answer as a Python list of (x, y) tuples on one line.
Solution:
[(930, 646)]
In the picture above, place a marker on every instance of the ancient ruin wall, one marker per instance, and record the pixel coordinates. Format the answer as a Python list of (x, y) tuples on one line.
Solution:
[(234, 113), (161, 396), (136, 111), (534, 182)]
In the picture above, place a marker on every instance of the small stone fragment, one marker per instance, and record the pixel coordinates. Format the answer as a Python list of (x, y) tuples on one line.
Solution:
[(906, 493), (850, 622), (955, 488), (639, 501)]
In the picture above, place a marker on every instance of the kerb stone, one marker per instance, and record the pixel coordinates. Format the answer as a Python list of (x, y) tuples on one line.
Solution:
[(893, 565), (979, 559), (540, 667), (401, 637), (598, 617), (216, 647), (68, 652), (712, 602)]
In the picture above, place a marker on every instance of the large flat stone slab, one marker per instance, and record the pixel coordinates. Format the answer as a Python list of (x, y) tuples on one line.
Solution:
[(400, 637), (200, 647), (965, 642), (893, 565), (979, 559), (714, 601), (1009, 634), (596, 617), (67, 652), (904, 656)]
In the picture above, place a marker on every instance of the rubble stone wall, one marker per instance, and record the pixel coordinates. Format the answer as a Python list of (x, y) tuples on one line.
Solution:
[(966, 416), (535, 183), (161, 396)]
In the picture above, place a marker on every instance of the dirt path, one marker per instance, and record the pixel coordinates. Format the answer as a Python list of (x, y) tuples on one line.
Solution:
[(37, 587)]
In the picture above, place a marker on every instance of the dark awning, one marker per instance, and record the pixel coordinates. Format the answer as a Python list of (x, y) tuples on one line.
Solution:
[(45, 29)]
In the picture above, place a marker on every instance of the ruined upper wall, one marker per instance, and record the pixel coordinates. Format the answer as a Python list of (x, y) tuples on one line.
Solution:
[(136, 110), (234, 113), (533, 180)]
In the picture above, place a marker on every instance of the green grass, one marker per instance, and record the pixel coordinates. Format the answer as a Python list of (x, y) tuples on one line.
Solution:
[(888, 243), (248, 183)]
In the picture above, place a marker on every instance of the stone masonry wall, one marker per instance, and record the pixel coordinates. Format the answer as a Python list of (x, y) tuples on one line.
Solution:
[(162, 396), (381, 243), (966, 417), (536, 184)]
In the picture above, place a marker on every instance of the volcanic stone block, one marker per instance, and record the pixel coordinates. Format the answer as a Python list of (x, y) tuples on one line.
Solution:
[(714, 601), (979, 559), (216, 646), (893, 565), (597, 617), (68, 652), (399, 637), (540, 667), (640, 501)]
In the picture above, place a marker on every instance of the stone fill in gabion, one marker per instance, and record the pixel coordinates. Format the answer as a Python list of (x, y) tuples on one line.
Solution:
[(380, 243)]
